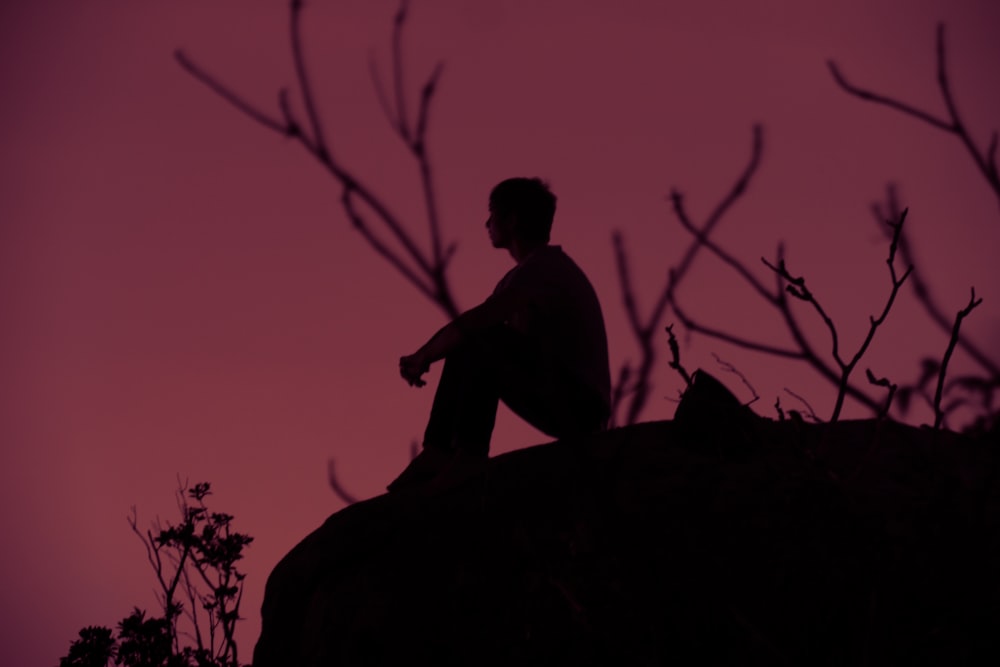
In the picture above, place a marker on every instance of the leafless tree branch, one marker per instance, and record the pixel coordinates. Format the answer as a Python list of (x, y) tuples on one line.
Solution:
[(427, 274), (890, 387), (675, 357), (337, 486), (644, 329), (961, 315), (985, 160), (729, 368), (797, 288), (890, 210)]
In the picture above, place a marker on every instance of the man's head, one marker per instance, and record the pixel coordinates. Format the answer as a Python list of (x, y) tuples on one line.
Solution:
[(521, 208)]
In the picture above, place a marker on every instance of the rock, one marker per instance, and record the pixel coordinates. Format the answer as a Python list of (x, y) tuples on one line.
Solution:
[(717, 538)]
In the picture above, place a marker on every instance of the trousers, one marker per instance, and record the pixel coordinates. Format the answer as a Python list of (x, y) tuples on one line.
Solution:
[(503, 365)]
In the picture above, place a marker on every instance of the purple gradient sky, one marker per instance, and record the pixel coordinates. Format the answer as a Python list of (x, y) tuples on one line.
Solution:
[(181, 294)]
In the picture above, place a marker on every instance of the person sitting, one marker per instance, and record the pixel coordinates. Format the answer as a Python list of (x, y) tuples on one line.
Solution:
[(538, 343)]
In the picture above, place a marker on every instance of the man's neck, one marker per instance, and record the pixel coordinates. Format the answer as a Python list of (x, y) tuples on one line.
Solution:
[(520, 250)]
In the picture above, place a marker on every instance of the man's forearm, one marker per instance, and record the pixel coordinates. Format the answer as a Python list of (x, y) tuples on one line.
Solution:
[(488, 314), (444, 341)]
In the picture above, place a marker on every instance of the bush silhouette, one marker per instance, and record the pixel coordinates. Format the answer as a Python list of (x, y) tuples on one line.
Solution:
[(195, 562)]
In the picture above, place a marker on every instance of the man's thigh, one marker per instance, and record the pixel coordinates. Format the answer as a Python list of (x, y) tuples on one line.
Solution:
[(540, 391)]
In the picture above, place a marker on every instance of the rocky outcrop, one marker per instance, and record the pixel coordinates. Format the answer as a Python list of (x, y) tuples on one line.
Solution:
[(716, 538)]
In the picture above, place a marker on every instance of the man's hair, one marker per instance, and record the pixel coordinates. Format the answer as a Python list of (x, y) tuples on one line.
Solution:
[(531, 201)]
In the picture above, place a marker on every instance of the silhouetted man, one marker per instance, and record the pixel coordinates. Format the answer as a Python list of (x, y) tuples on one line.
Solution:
[(538, 343)]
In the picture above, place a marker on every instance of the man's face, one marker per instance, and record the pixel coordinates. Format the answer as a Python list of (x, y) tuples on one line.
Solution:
[(500, 229)]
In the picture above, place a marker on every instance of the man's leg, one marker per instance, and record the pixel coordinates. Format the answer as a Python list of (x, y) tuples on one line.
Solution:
[(465, 404), (464, 410)]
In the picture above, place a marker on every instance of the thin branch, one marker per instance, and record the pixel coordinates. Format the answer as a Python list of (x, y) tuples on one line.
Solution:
[(985, 161), (428, 275), (305, 86), (961, 315), (797, 288), (871, 96), (347, 202), (218, 88), (701, 235), (644, 329), (891, 211), (397, 69), (675, 357), (335, 484), (729, 368), (737, 341), (809, 408), (882, 382)]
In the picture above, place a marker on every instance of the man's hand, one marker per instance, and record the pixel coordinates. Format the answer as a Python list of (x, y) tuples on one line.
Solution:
[(412, 367)]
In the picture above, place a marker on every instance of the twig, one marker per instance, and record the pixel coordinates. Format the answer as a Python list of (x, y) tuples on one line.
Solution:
[(335, 484), (809, 408), (729, 368), (985, 160), (961, 315), (427, 274), (920, 287), (644, 329), (882, 382), (675, 357), (797, 288)]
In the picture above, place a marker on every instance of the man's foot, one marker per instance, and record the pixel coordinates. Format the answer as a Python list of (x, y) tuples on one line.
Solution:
[(422, 469)]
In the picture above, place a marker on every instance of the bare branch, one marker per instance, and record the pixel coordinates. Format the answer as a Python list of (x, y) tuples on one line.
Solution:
[(321, 150), (809, 408), (381, 248), (877, 98), (645, 329), (738, 341), (886, 214), (675, 357), (985, 161), (397, 70), (961, 315), (335, 484), (729, 368), (797, 288), (427, 274), (701, 235), (228, 95), (882, 382)]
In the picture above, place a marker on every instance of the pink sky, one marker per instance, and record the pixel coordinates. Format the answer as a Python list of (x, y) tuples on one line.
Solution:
[(181, 294)]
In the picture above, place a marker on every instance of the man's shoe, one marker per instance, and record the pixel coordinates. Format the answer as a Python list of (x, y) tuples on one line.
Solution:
[(424, 467)]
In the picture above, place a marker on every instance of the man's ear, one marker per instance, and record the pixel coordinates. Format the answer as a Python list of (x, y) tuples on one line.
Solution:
[(514, 222)]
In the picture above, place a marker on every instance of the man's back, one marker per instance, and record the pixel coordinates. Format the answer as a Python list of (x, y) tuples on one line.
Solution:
[(562, 316)]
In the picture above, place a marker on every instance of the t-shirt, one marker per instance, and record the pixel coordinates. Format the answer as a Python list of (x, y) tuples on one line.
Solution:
[(562, 317)]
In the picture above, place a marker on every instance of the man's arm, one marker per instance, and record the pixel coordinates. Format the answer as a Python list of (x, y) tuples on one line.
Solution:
[(492, 312)]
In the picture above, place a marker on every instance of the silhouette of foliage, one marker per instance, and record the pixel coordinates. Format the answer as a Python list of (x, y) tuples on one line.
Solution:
[(195, 559)]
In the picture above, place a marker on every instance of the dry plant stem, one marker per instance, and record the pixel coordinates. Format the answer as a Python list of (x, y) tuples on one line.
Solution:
[(985, 160), (427, 273), (644, 328), (637, 387), (338, 488), (675, 356), (729, 368), (890, 387), (961, 315), (809, 408), (797, 288), (921, 289), (156, 561), (777, 298)]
